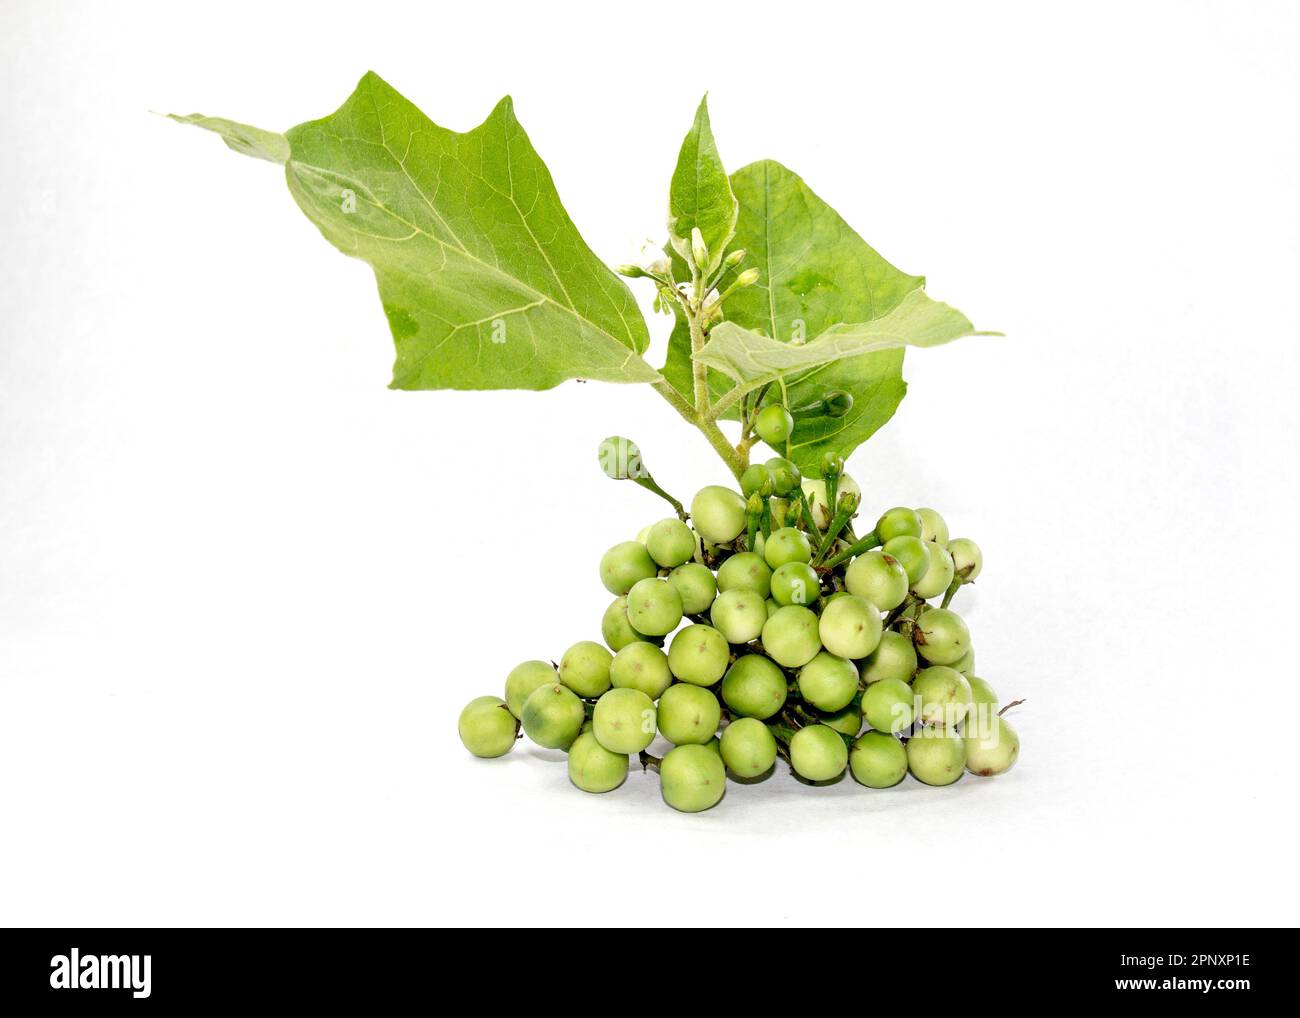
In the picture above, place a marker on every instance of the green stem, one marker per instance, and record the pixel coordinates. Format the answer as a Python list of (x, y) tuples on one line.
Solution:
[(728, 401), (857, 548), (832, 493), (953, 587), (698, 370), (649, 484), (735, 463), (838, 522), (810, 524)]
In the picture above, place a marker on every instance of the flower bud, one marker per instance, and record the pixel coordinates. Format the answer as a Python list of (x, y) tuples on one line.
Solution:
[(699, 249), (832, 465), (847, 503), (747, 278), (631, 271), (735, 258)]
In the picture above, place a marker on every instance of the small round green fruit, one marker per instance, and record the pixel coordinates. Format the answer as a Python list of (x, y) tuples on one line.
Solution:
[(692, 778), (486, 726)]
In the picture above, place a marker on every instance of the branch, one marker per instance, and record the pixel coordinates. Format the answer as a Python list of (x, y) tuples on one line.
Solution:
[(708, 428)]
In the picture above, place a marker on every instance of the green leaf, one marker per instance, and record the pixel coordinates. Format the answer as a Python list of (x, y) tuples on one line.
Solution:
[(484, 278), (815, 272), (700, 195), (751, 359), (246, 140)]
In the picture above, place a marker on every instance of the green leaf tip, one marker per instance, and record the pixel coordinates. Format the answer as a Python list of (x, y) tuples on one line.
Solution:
[(752, 359), (242, 138), (700, 196)]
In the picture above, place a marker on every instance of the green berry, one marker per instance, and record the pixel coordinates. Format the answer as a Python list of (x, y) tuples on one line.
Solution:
[(692, 778), (936, 755), (688, 715), (933, 528), (878, 760), (654, 607), (943, 695), (553, 716), (593, 768), (887, 705), (966, 664), (981, 692), (912, 554), (620, 458), (786, 545), (754, 687), (670, 542), (615, 629), (991, 748), (941, 636), (898, 522), (895, 658), (878, 577), (818, 753), (967, 559), (739, 615), (785, 475), (696, 587), (699, 655), (795, 583), (831, 465), (523, 679), (748, 748), (938, 573), (641, 666), (624, 721), (585, 668), (745, 571), (718, 514), (790, 636), (757, 480), (774, 425), (486, 726), (847, 721), (850, 627), (828, 682), (624, 564)]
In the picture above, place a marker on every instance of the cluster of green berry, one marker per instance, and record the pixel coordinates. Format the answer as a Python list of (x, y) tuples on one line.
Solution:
[(799, 634)]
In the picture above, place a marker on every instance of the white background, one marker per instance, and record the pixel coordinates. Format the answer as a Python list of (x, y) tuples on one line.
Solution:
[(245, 589)]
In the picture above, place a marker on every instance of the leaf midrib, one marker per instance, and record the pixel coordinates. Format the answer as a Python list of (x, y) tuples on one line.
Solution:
[(542, 298)]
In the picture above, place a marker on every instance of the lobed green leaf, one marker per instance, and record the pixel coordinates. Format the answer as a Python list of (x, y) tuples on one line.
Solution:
[(485, 280)]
